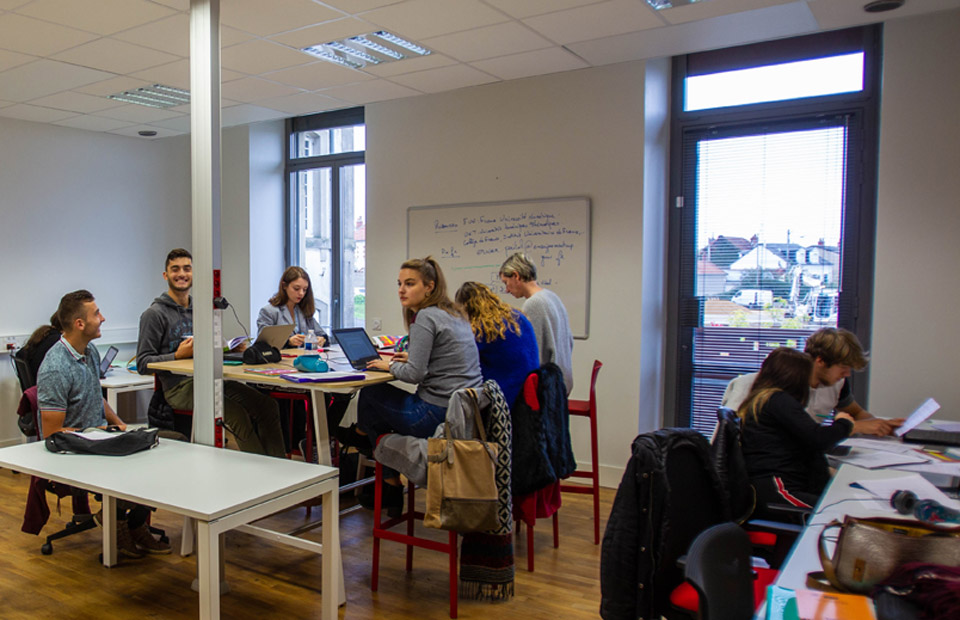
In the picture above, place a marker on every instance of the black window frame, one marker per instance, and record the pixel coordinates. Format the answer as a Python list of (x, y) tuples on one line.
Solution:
[(293, 165), (861, 188)]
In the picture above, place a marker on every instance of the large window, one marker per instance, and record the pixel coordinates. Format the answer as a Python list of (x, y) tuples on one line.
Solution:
[(326, 232), (773, 176)]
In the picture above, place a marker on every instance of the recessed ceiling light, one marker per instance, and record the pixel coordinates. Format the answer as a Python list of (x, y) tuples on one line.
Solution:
[(374, 48), (147, 133), (156, 96), (669, 4), (880, 6)]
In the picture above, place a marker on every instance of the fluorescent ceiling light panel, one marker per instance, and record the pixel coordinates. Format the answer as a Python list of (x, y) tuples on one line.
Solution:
[(669, 4), (156, 96), (374, 48)]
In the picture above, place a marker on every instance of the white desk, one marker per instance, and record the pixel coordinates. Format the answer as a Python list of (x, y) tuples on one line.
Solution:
[(120, 380), (220, 489)]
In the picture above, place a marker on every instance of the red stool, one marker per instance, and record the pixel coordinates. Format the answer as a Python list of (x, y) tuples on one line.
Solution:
[(588, 408), (308, 426), (381, 529)]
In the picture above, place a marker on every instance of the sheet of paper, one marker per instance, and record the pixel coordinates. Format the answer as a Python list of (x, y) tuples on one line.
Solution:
[(885, 445), (874, 459), (94, 434), (921, 413)]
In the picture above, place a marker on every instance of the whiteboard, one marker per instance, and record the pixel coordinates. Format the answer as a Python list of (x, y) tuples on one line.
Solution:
[(471, 241)]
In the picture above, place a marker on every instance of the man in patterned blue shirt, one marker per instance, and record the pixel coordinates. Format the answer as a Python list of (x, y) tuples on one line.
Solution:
[(69, 397)]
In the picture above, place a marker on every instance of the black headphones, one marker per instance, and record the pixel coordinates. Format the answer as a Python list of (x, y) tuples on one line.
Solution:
[(261, 353)]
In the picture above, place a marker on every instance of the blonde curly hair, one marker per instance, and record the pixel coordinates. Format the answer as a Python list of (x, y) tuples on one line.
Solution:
[(490, 318)]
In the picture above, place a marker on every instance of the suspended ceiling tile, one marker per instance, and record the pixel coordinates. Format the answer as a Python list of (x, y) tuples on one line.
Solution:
[(100, 16), (410, 65), (45, 77), (32, 36), (171, 35), (359, 6), (763, 24), (420, 19), (115, 56), (137, 113), (266, 18), (175, 74), (34, 113), (259, 56), (116, 84), (305, 103), (246, 113), (133, 131), (255, 89), (324, 33), (445, 78), (8, 60), (76, 102), (538, 62), (845, 13), (180, 124), (9, 5), (529, 8), (706, 10), (596, 20), (488, 42), (369, 92), (317, 75), (180, 5), (92, 123)]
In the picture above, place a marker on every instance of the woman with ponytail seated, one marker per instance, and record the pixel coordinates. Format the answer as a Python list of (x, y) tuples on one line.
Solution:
[(36, 349), (441, 358), (783, 446)]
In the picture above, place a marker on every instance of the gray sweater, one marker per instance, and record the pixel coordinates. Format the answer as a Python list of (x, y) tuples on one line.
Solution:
[(552, 327), (163, 326), (442, 356)]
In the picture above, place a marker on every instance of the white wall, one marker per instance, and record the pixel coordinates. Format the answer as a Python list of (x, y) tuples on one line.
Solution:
[(576, 133), (252, 216), (87, 210), (916, 343)]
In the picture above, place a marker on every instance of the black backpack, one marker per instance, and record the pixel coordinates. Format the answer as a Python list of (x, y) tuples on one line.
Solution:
[(121, 444)]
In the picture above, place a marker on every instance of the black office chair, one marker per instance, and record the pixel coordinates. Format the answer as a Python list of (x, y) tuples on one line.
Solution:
[(24, 374), (718, 565)]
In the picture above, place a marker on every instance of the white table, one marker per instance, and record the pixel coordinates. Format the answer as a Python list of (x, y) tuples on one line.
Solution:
[(120, 380), (220, 489)]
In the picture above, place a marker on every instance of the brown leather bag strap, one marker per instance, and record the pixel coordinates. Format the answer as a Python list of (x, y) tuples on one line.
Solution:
[(829, 570)]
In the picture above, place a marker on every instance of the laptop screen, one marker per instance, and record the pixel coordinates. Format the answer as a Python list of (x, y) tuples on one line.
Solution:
[(107, 360), (356, 346)]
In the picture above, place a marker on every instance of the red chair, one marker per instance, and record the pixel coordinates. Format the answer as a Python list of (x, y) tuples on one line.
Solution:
[(303, 397), (382, 530), (588, 408)]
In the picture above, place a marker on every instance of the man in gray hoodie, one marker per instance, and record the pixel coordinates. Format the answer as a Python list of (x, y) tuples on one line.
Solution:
[(166, 334)]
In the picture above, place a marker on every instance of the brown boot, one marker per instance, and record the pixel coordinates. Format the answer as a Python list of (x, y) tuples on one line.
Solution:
[(145, 541), (125, 545)]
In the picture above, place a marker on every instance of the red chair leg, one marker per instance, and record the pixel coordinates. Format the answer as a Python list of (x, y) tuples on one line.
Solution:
[(529, 547), (453, 574), (556, 530), (410, 516)]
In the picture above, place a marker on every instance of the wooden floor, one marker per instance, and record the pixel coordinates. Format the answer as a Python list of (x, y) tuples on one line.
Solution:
[(273, 581)]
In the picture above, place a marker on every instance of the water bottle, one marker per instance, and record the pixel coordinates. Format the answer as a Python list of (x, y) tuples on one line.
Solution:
[(310, 342)]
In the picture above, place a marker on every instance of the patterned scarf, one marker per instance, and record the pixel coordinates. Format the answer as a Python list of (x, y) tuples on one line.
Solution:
[(486, 559)]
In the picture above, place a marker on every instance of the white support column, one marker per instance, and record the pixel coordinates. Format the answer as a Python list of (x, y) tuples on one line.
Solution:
[(205, 157)]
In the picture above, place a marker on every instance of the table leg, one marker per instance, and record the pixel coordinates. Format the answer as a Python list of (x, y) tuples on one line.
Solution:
[(334, 594), (320, 424), (109, 506), (208, 571), (112, 399)]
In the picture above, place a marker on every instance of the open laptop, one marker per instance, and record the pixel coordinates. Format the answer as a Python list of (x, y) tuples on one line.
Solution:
[(356, 346), (274, 335), (108, 358)]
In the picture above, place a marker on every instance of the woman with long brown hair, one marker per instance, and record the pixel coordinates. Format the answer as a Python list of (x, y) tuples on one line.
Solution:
[(441, 358), (293, 304), (782, 445)]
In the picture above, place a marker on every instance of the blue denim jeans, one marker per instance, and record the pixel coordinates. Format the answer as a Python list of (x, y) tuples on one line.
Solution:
[(383, 408)]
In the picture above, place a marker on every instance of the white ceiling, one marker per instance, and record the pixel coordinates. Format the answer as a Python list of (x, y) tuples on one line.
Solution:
[(60, 58)]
